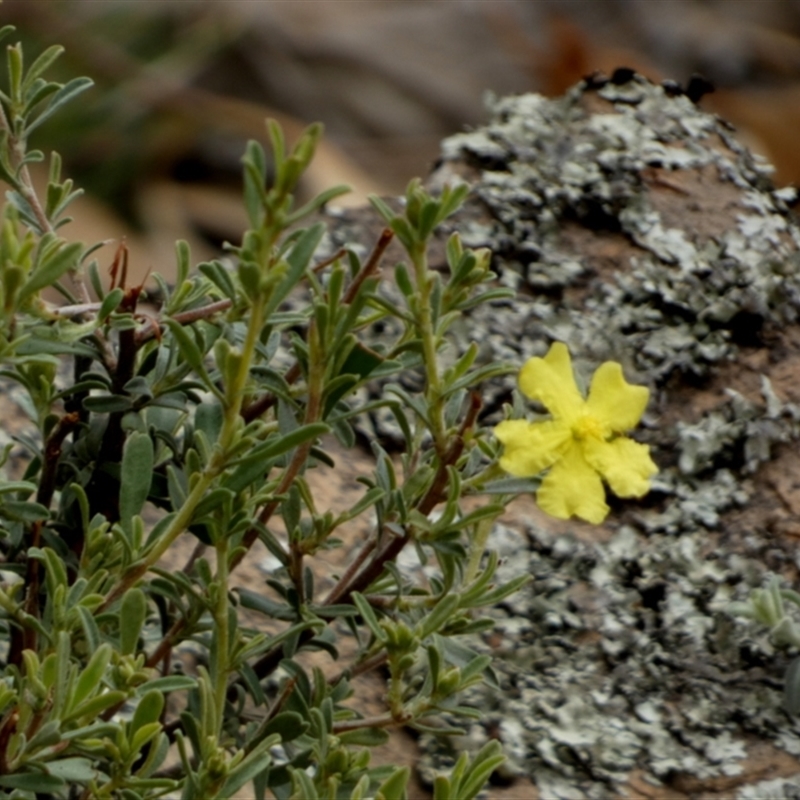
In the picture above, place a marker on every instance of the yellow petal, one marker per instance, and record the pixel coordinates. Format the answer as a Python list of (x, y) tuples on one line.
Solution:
[(550, 381), (624, 464), (573, 488), (530, 447), (614, 400)]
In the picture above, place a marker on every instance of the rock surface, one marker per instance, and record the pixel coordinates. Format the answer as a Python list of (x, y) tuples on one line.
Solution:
[(636, 228)]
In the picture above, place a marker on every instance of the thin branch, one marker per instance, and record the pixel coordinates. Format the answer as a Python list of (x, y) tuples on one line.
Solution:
[(166, 643), (74, 310), (326, 262), (25, 639), (268, 399), (341, 585), (374, 260), (367, 665), (25, 185), (148, 331), (384, 721)]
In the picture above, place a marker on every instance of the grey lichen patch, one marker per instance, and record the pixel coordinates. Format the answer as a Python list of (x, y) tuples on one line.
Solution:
[(543, 163), (621, 655), (776, 789)]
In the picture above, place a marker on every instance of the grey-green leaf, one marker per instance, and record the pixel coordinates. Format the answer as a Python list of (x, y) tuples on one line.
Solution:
[(136, 475), (132, 614)]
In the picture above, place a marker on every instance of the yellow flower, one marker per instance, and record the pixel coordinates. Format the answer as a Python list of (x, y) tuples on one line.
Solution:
[(582, 443)]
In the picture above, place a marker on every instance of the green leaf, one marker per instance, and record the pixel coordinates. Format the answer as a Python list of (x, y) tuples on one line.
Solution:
[(481, 374), (96, 705), (317, 202), (90, 629), (132, 615), (511, 486), (17, 486), (277, 445), (33, 782), (439, 615), (298, 260), (95, 729), (364, 737), (289, 725), (484, 763), (304, 788), (48, 735), (110, 303), (37, 345), (404, 232), (15, 71), (53, 266), (219, 276), (92, 674), (414, 403), (403, 280), (148, 710), (365, 609), (183, 259), (255, 176), (485, 512), (361, 361), (107, 403), (172, 683), (135, 477), (247, 770), (66, 93), (208, 418), (191, 352), (499, 593), (24, 512), (143, 735), (213, 500), (265, 605), (382, 208), (73, 770), (395, 786), (791, 688), (41, 64), (369, 499), (428, 219)]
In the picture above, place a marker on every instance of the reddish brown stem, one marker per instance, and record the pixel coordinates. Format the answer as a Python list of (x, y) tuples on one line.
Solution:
[(340, 587), (328, 261), (149, 331), (26, 639), (374, 260), (367, 665), (261, 405), (436, 494), (166, 643)]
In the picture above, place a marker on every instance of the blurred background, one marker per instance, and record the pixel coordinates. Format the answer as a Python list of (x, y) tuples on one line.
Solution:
[(181, 85)]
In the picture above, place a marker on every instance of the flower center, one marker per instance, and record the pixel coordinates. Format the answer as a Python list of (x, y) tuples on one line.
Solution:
[(589, 427)]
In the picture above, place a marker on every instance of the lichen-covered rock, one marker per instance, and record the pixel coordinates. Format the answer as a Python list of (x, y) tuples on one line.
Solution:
[(636, 228), (668, 229)]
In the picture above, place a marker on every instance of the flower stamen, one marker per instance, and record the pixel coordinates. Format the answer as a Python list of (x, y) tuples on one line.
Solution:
[(587, 426)]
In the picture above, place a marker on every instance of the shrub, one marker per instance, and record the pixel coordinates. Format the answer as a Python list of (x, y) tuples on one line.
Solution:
[(206, 416)]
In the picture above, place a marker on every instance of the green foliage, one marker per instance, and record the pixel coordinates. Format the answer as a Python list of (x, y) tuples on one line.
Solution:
[(768, 607), (188, 421)]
